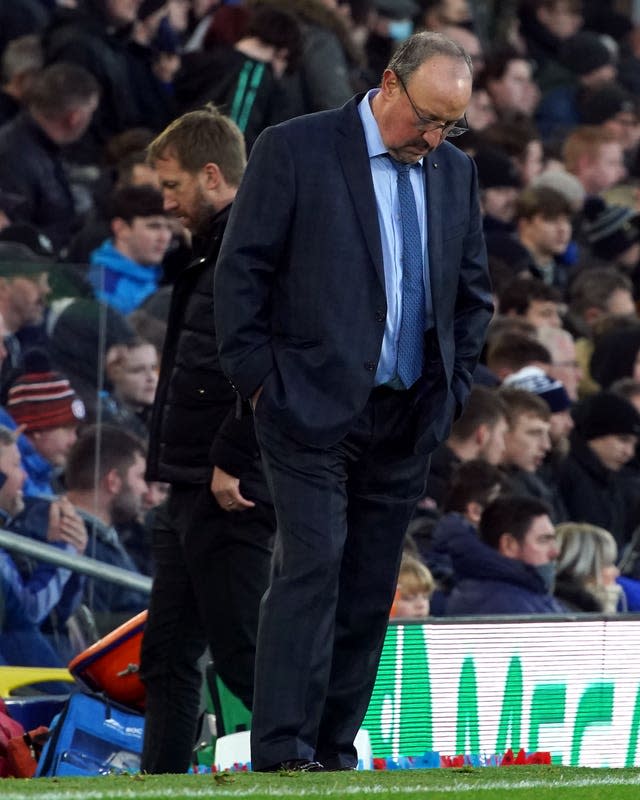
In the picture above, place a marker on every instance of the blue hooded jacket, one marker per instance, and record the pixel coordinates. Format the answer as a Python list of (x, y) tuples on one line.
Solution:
[(487, 582), (126, 284)]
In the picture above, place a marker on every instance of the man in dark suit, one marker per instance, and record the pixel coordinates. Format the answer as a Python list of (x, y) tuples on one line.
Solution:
[(310, 305)]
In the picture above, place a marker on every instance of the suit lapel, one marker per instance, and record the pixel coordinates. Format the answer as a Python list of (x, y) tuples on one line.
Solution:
[(435, 194), (352, 152)]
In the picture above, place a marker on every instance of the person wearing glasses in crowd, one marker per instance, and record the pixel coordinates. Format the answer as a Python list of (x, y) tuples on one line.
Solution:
[(351, 298)]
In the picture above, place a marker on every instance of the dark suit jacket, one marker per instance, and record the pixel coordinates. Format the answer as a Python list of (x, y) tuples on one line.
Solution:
[(300, 300)]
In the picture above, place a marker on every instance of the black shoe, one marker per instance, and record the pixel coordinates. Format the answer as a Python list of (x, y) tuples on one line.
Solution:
[(295, 765), (333, 764)]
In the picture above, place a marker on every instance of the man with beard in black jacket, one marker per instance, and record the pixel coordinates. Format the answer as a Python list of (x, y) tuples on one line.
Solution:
[(212, 538)]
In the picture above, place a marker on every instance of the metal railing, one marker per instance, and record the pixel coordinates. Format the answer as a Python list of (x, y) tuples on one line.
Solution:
[(42, 551)]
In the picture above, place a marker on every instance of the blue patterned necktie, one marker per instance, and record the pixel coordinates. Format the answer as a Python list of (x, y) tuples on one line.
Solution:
[(411, 340)]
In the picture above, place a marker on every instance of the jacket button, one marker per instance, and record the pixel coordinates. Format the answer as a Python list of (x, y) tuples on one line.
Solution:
[(380, 316), (369, 365)]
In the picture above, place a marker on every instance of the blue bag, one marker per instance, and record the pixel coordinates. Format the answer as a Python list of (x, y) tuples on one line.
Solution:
[(92, 736)]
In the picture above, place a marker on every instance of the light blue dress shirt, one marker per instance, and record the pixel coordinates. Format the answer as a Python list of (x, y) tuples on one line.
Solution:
[(385, 184)]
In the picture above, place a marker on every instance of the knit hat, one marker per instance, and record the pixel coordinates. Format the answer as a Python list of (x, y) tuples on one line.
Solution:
[(610, 229), (43, 400), (536, 381), (605, 103), (496, 169), (606, 414), (585, 52)]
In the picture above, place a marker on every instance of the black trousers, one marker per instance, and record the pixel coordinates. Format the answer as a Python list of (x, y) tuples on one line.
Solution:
[(342, 514), (212, 568)]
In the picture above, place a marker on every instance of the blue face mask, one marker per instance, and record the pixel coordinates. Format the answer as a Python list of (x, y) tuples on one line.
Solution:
[(400, 29), (547, 573)]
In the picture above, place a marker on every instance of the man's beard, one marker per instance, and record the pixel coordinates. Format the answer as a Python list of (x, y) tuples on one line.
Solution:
[(125, 507)]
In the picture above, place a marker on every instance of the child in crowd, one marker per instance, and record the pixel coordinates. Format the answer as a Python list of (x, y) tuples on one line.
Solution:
[(415, 587)]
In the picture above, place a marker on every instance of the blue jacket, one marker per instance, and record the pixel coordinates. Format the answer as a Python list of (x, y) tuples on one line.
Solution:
[(126, 284), (26, 603), (39, 470), (487, 582)]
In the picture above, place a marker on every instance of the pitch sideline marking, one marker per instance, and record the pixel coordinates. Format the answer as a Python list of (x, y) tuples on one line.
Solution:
[(139, 792)]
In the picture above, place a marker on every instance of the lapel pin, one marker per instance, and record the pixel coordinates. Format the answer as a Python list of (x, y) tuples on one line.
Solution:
[(435, 165)]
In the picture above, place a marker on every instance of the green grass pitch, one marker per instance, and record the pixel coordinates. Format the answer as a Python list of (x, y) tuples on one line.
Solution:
[(515, 783)]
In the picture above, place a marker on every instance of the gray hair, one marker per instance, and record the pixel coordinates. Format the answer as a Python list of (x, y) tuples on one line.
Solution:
[(21, 55), (584, 550), (421, 47)]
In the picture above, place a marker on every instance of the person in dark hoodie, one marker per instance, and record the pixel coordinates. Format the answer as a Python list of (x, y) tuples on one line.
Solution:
[(595, 483), (510, 567), (243, 79)]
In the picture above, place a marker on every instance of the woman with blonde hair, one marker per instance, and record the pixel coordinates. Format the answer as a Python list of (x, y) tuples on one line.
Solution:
[(586, 569)]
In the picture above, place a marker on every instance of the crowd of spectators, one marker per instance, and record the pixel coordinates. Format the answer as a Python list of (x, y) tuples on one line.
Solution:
[(540, 474)]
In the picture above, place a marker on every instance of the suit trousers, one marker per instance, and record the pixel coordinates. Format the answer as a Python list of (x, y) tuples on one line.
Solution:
[(212, 568), (342, 513)]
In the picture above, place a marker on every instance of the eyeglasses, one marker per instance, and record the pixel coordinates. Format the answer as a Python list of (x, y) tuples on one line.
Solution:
[(426, 125)]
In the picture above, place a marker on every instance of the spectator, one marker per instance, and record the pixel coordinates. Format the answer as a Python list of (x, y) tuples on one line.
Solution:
[(94, 36), (59, 107), (616, 353), (44, 404), (615, 110), (512, 350), (533, 300), (21, 61), (593, 483), (500, 185), (612, 235), (477, 434), (536, 381), (595, 157), (152, 61), (82, 332), (594, 295), (28, 599), (415, 587), (243, 80), (105, 482), (520, 140), (24, 289), (586, 570), (527, 444), (564, 366), (473, 485), (126, 268), (329, 56), (510, 568), (437, 14), (543, 223), (590, 64), (132, 371), (544, 26), (508, 77)]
